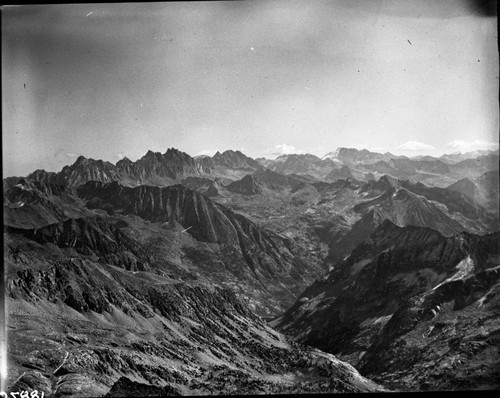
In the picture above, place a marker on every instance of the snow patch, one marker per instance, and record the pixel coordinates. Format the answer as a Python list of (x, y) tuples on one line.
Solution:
[(481, 301), (375, 321), (23, 187), (464, 268), (16, 205), (332, 155)]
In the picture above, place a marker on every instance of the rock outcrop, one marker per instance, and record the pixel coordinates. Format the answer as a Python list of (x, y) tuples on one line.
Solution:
[(85, 328), (389, 289), (246, 186), (249, 252)]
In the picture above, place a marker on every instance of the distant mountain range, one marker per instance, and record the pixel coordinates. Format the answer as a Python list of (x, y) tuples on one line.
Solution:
[(389, 262), (155, 168)]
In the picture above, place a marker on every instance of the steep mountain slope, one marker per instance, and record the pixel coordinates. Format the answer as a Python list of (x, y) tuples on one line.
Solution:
[(343, 173), (246, 186), (400, 206), (488, 185), (87, 170), (274, 180), (455, 202), (269, 264), (388, 288), (153, 168), (235, 160), (467, 187), (206, 186), (32, 204), (378, 187), (473, 168), (268, 269), (96, 237), (158, 169), (410, 166), (131, 280), (407, 203), (228, 166), (445, 339), (343, 214), (79, 172), (80, 327)]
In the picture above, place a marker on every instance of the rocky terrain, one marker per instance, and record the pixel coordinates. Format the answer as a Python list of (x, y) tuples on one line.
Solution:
[(154, 168), (177, 229), (399, 308), (83, 327), (158, 169), (157, 276)]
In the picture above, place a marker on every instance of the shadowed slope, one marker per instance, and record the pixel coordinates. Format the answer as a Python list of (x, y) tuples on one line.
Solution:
[(389, 286)]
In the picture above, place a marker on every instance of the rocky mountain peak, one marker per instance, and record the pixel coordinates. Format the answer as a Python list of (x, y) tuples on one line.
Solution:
[(174, 152), (466, 186), (80, 159), (355, 156), (332, 155), (151, 155), (246, 186), (344, 173), (389, 181), (235, 159), (124, 160)]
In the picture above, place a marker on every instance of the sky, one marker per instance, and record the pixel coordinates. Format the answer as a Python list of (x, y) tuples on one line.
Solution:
[(263, 77)]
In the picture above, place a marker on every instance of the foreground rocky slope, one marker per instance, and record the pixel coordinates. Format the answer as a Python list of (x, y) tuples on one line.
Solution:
[(171, 230), (376, 308), (83, 327), (446, 339)]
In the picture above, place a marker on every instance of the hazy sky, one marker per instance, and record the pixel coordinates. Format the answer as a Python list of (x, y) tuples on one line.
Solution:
[(264, 77)]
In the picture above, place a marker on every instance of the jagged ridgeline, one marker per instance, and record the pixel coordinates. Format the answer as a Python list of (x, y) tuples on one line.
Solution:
[(158, 274), (117, 290), (186, 233), (154, 168), (231, 243)]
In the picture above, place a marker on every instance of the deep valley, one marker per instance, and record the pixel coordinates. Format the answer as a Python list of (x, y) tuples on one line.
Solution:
[(174, 275)]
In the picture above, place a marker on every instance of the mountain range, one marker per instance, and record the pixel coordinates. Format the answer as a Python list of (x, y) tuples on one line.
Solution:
[(155, 168), (173, 274)]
